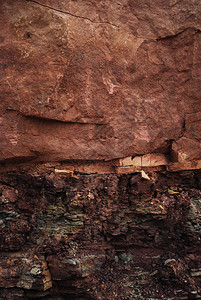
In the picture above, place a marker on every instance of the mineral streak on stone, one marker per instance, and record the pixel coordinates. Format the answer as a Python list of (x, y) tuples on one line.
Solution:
[(95, 80)]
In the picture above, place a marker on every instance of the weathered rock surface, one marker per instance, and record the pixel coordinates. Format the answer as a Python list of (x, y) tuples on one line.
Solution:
[(96, 80), (93, 236), (107, 93)]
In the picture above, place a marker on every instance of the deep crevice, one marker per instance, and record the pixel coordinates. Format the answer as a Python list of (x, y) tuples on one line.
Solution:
[(176, 34), (46, 119)]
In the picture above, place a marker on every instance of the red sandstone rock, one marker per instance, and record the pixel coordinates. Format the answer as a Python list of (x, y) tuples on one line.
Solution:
[(186, 149), (97, 80)]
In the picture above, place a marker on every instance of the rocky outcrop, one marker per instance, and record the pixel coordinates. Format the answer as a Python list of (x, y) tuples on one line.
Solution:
[(100, 149), (100, 236), (91, 80)]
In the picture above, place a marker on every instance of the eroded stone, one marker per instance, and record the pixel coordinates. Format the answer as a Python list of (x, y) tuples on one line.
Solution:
[(116, 82)]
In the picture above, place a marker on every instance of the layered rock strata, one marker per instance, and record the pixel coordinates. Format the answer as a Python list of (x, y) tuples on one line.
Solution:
[(100, 149), (100, 236)]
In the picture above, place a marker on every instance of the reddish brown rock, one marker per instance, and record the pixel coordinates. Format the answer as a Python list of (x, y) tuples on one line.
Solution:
[(96, 80), (186, 149), (24, 270)]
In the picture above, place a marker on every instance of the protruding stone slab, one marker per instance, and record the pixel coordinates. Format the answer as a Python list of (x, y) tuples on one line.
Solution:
[(148, 160), (153, 160), (186, 149), (126, 161), (127, 170), (189, 165)]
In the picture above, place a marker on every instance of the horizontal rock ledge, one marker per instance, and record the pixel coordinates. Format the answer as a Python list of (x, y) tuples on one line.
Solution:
[(154, 162)]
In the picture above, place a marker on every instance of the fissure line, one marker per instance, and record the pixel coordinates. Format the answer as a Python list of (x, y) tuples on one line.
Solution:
[(72, 15)]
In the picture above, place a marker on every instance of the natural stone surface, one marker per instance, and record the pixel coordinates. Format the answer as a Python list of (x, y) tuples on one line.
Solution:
[(186, 165), (96, 80), (107, 94), (149, 160), (24, 270), (100, 236)]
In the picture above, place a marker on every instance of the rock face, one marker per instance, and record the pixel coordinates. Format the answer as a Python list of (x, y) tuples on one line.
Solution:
[(102, 99), (95, 80), (93, 236)]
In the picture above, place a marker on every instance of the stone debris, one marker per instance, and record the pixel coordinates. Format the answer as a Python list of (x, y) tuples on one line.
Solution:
[(195, 272), (64, 172), (144, 175), (24, 270), (170, 261)]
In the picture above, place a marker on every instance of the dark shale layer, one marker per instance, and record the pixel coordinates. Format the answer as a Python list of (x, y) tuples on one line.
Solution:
[(100, 236)]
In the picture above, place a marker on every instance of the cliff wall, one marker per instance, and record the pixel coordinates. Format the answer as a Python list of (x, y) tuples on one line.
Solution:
[(100, 149), (95, 80)]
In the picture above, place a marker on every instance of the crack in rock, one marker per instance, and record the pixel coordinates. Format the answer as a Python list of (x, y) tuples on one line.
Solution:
[(46, 119), (72, 15), (177, 34)]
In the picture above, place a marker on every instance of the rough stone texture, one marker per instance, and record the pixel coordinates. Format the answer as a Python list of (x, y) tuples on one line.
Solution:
[(95, 80), (92, 236), (107, 93), (149, 160)]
